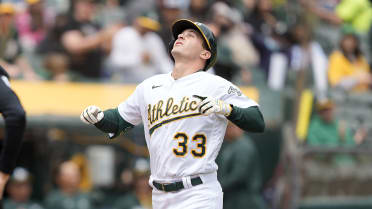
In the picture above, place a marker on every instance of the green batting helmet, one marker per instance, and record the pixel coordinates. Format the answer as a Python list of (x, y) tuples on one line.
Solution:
[(180, 25)]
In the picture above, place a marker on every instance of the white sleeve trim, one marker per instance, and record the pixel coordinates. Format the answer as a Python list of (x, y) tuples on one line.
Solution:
[(6, 81)]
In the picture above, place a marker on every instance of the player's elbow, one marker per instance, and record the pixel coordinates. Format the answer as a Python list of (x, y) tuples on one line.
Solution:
[(256, 126), (260, 126), (260, 122), (16, 117)]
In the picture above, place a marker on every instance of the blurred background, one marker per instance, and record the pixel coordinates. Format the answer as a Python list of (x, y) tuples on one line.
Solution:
[(306, 62)]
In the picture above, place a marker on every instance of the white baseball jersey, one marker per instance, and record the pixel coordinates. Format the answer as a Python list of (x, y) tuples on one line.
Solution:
[(181, 141)]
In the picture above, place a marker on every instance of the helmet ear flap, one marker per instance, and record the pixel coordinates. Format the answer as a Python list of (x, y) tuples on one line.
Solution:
[(170, 47)]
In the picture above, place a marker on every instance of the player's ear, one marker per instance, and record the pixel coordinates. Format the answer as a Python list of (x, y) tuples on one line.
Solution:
[(205, 54)]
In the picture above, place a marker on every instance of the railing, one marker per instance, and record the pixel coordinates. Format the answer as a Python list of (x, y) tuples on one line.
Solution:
[(324, 177)]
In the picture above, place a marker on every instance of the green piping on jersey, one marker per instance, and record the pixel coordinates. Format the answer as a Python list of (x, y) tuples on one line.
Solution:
[(171, 120)]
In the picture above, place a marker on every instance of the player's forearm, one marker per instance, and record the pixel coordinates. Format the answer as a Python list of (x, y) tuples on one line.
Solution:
[(15, 123), (113, 123), (12, 144), (249, 119)]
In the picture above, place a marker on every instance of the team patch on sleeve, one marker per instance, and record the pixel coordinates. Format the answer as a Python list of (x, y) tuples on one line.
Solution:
[(233, 90)]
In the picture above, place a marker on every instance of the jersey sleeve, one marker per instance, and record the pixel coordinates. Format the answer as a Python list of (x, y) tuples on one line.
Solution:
[(231, 94), (130, 109), (3, 72)]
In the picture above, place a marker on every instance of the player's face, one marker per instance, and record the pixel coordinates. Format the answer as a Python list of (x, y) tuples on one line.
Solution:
[(189, 45)]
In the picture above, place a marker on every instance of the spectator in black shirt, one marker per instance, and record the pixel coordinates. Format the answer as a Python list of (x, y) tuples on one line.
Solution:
[(82, 39)]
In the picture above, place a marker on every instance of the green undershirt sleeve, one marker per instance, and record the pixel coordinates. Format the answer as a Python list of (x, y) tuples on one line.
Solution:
[(112, 123), (249, 119)]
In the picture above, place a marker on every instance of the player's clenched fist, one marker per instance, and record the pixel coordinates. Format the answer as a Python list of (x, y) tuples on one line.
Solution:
[(209, 105), (91, 115)]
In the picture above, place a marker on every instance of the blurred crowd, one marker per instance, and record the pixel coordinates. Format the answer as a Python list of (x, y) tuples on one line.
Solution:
[(283, 45), (69, 191), (274, 43)]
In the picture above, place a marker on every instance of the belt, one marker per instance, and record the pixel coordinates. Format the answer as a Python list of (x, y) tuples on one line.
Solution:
[(176, 186)]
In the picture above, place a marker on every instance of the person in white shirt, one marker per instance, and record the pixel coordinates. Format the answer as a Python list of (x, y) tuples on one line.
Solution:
[(138, 52)]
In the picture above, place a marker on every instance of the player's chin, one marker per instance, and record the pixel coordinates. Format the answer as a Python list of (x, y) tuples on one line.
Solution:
[(177, 47), (176, 51)]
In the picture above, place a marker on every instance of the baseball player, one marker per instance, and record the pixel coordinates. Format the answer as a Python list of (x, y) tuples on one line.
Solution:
[(15, 122), (185, 114)]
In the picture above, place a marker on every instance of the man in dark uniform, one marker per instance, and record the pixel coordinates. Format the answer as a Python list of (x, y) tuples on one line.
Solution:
[(239, 171), (15, 123)]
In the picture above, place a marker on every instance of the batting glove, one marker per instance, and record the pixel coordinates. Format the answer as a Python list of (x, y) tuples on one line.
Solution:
[(91, 115), (209, 105)]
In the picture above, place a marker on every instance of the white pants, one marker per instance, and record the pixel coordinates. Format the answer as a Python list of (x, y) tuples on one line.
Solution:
[(208, 195)]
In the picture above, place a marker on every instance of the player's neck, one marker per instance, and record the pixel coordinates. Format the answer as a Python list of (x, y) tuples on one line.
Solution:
[(182, 69)]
